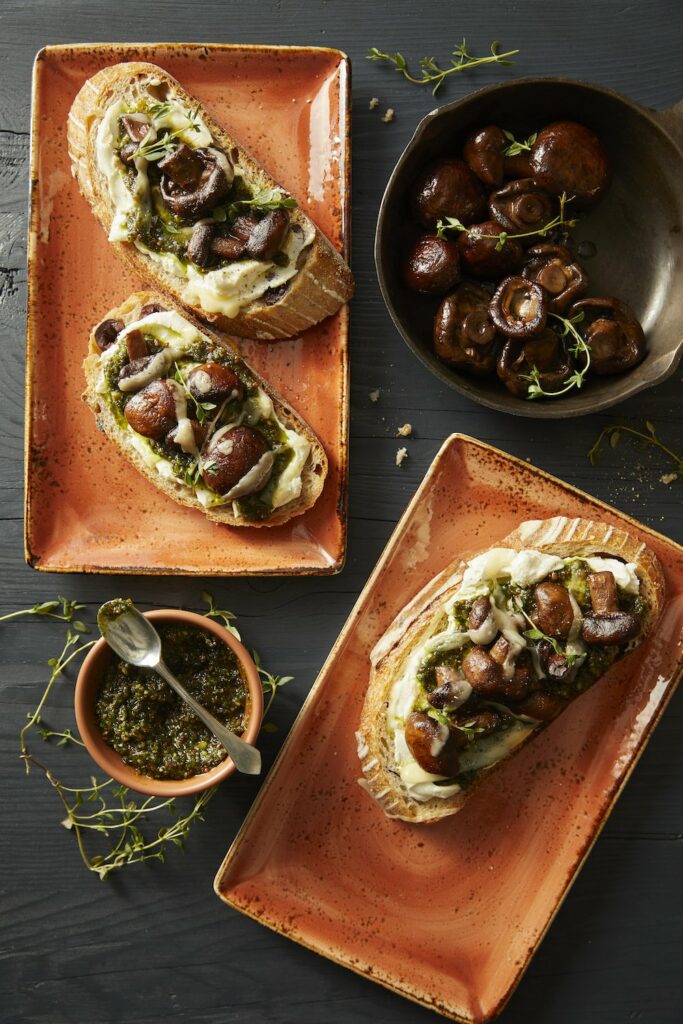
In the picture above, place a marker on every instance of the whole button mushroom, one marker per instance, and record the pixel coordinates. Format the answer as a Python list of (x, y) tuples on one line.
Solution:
[(199, 432), (267, 236), (194, 181), (568, 157), (432, 265), (542, 705), (107, 332), (448, 188), (152, 411), (484, 154), (480, 257), (214, 382), (606, 625), (521, 207), (464, 334), (544, 352), (230, 455), (557, 272), (552, 611), (483, 669), (519, 308), (612, 333), (433, 745)]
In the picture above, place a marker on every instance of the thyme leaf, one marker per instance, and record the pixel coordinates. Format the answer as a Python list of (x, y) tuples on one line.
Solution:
[(516, 147), (577, 347)]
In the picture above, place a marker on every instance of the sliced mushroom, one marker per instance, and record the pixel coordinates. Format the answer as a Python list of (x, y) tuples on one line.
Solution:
[(558, 273), (568, 157), (521, 206), (479, 612), (432, 265), (433, 745), (196, 183), (199, 246), (136, 346), (464, 334), (136, 126), (480, 256), (519, 308), (151, 307), (552, 611), (612, 333), (544, 352), (107, 332), (607, 625), (448, 188)]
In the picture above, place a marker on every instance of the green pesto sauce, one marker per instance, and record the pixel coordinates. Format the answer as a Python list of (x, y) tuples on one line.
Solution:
[(151, 727)]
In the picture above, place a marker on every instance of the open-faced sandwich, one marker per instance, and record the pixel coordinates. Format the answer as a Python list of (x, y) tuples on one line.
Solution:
[(188, 208), (492, 650), (192, 417)]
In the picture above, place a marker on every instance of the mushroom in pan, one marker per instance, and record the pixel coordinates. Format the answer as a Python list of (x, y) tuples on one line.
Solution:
[(568, 157), (606, 625), (194, 181), (480, 256), (236, 462), (484, 153), (433, 745), (612, 333), (432, 265), (557, 272), (519, 308), (543, 352), (521, 206), (448, 188), (464, 334)]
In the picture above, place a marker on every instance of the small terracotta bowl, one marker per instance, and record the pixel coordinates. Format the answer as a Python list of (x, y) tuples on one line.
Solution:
[(87, 686)]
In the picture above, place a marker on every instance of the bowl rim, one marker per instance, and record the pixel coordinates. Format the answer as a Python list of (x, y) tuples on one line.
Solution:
[(529, 410), (106, 757)]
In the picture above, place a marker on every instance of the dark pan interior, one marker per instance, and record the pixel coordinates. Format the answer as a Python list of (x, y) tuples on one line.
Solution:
[(637, 229)]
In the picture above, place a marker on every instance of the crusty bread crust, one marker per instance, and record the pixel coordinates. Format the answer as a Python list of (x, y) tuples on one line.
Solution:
[(323, 282), (558, 536), (314, 472)]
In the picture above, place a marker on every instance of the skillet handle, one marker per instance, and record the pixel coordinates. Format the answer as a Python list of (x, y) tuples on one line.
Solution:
[(671, 121)]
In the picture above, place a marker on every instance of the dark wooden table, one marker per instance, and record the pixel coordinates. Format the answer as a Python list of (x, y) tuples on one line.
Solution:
[(154, 944)]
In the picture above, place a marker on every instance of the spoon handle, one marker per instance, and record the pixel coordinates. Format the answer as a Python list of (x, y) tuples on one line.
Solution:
[(246, 758)]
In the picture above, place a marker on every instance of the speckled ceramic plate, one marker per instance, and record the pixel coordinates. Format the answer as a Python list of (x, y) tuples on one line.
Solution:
[(447, 914), (86, 509)]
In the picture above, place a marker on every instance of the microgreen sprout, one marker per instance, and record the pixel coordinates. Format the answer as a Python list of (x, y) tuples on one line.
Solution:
[(433, 75)]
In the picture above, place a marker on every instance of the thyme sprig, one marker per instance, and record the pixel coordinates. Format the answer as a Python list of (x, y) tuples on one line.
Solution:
[(103, 814), (577, 348), (613, 433), (516, 147), (430, 72), (164, 144), (559, 221), (202, 409)]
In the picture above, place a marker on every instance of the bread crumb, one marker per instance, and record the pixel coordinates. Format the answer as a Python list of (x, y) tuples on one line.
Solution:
[(374, 395), (405, 431), (401, 454), (389, 116), (374, 102), (668, 478)]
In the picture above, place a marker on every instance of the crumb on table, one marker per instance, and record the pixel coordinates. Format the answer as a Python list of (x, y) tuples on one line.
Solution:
[(388, 116), (374, 102), (401, 455), (374, 395), (405, 431), (668, 478)]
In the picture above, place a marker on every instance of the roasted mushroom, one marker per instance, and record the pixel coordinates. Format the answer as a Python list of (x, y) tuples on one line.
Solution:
[(451, 689), (543, 352), (464, 334), (521, 207), (568, 157), (480, 256), (433, 745), (152, 411), (136, 346), (606, 625), (555, 665), (107, 332), (483, 669), (432, 265), (448, 188), (552, 610), (266, 237), (214, 382), (484, 153), (229, 459), (198, 437), (519, 308), (194, 181), (611, 332), (557, 272), (542, 706)]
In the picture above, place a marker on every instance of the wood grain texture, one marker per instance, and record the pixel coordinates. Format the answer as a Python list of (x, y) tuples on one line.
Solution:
[(155, 945)]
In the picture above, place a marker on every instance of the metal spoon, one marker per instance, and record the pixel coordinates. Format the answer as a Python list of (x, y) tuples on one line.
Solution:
[(135, 640)]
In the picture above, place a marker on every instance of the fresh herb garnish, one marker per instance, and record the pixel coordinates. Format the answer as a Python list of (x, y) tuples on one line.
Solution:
[(162, 146), (649, 436), (577, 348), (559, 221), (269, 199), (432, 74), (202, 409), (516, 147), (537, 634), (104, 814)]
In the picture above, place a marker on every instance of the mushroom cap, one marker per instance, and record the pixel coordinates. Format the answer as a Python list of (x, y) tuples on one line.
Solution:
[(568, 157), (196, 185), (612, 333), (464, 334), (479, 256), (521, 206), (448, 188), (519, 308), (558, 273), (484, 153), (545, 352), (432, 266)]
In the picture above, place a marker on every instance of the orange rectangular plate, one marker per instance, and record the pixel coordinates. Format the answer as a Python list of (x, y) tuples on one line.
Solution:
[(87, 509), (447, 914)]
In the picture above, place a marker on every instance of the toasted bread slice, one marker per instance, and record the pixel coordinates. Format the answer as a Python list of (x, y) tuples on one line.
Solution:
[(315, 284), (383, 759), (137, 448)]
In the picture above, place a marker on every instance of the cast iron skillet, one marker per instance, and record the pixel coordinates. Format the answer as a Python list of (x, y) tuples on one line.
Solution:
[(637, 229)]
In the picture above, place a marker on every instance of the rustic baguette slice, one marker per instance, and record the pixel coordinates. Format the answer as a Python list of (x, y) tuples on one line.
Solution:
[(315, 469), (323, 282), (557, 536)]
